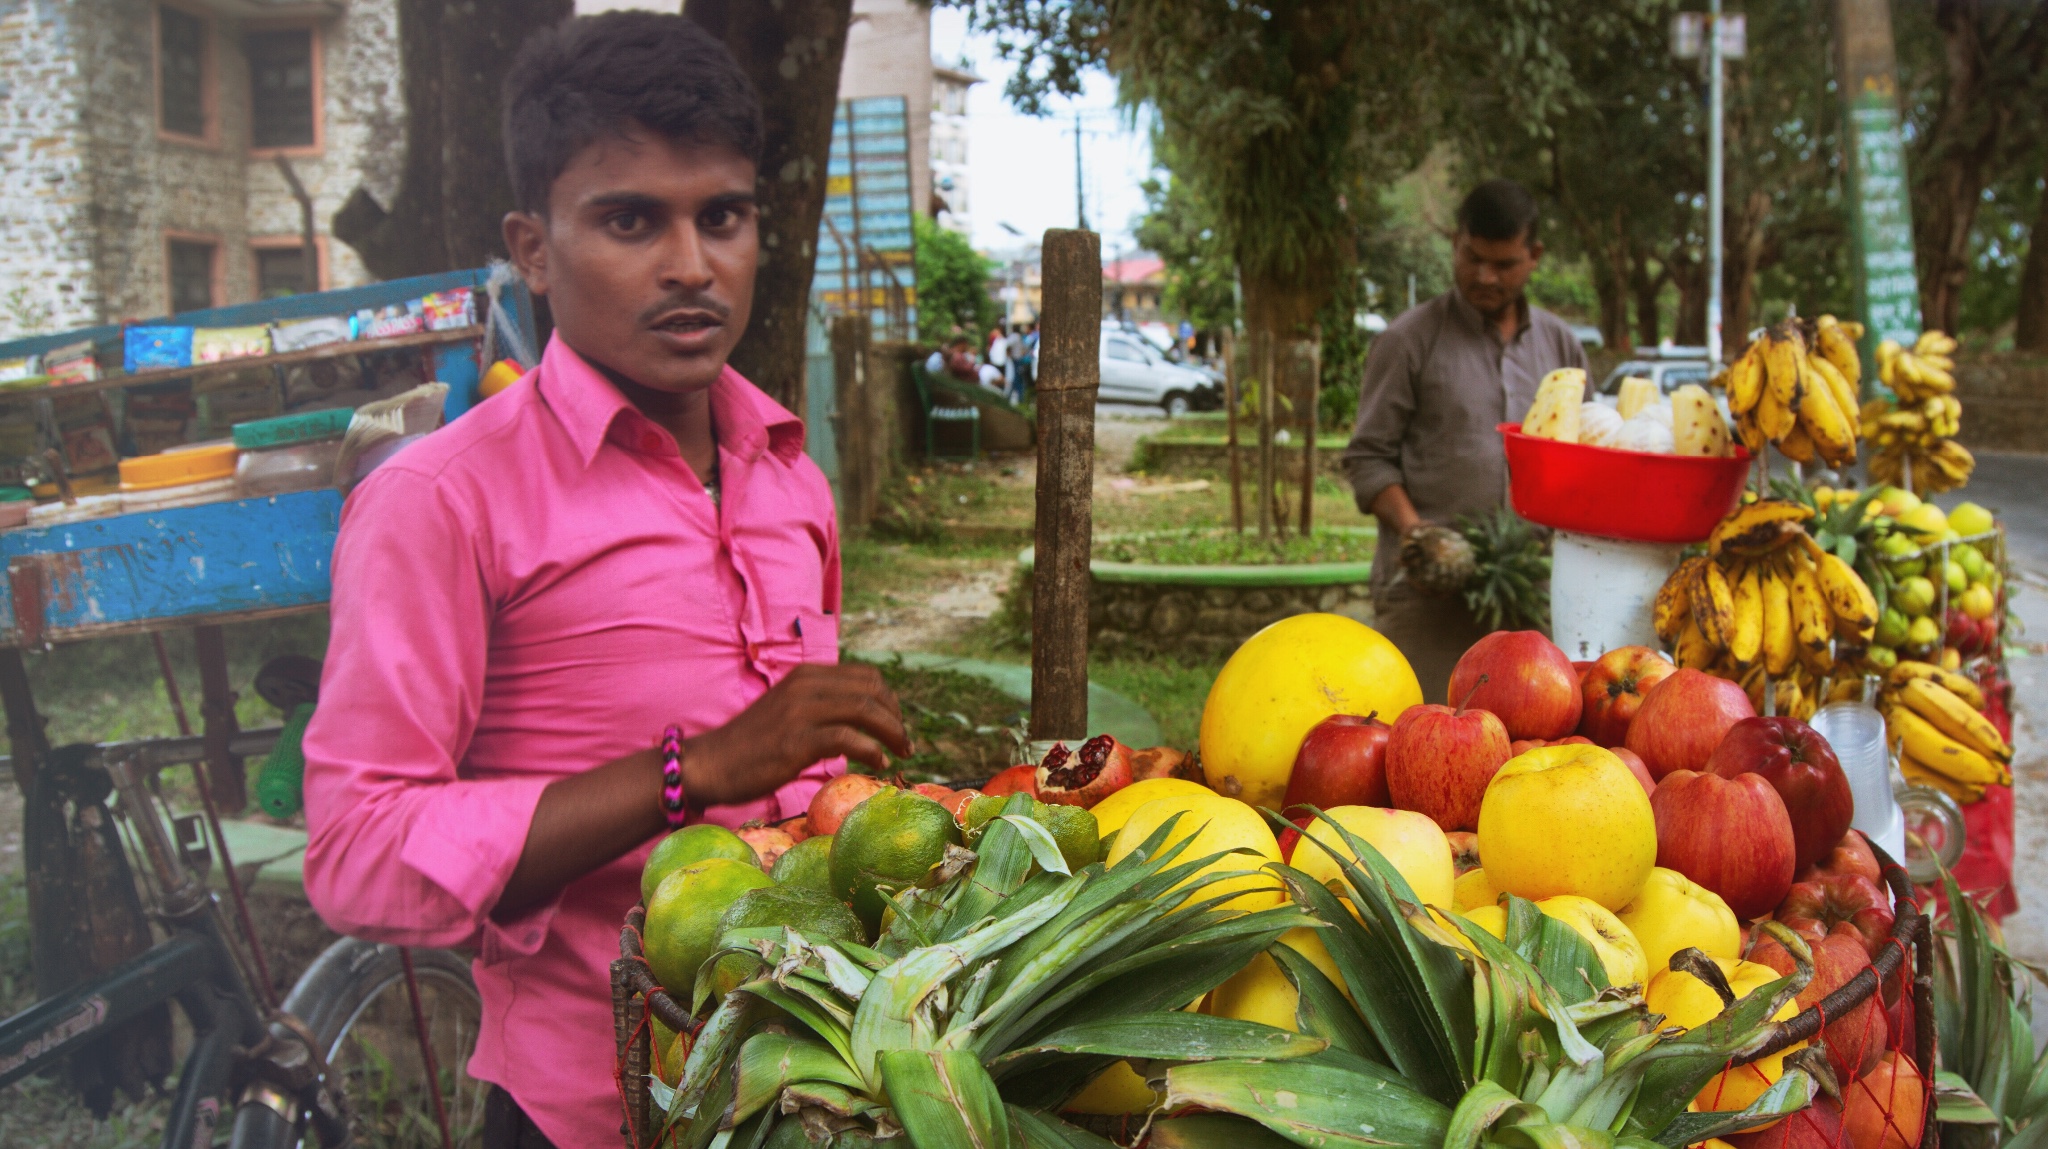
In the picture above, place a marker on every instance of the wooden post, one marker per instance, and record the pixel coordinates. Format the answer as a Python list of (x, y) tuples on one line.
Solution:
[(859, 472), (1230, 394), (1310, 360), (217, 719), (1069, 342), (1263, 363)]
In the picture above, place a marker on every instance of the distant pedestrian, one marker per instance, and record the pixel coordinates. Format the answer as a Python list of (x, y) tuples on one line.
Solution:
[(1027, 361)]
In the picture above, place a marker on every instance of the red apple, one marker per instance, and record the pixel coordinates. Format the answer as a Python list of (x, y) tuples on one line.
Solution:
[(1613, 690), (1291, 837), (1439, 761), (1856, 1038), (1851, 855), (1887, 1107), (1683, 718), (1848, 904), (1801, 766), (1342, 762), (1731, 835), (1523, 679), (1634, 762)]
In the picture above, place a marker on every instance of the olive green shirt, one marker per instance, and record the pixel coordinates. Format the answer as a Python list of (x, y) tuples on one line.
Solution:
[(1438, 381)]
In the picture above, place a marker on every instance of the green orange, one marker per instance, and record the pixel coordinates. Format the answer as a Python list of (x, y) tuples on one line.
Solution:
[(893, 839), (682, 918), (806, 865), (817, 917), (692, 844)]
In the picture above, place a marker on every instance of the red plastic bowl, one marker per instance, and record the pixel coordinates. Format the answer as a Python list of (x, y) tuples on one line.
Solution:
[(1631, 495)]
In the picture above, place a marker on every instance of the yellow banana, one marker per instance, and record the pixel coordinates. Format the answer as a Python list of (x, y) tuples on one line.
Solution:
[(1748, 636), (1854, 607), (1693, 651), (1919, 775), (1745, 382), (1839, 349), (1787, 698), (1668, 613), (1937, 751), (1777, 410), (1747, 432), (1812, 624), (1797, 445), (1713, 604), (1753, 527), (1935, 343), (1953, 717), (1827, 413), (1778, 649), (1959, 685)]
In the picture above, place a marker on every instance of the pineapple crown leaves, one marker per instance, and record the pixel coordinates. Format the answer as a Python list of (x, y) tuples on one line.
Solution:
[(1053, 978), (1510, 584)]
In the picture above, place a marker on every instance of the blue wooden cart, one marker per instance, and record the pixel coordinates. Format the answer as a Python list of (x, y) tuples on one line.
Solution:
[(206, 565)]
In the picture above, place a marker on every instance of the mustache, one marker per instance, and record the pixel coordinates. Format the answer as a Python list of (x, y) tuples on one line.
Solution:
[(687, 301)]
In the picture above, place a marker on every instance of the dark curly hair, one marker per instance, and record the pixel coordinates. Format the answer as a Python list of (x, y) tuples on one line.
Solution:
[(592, 76)]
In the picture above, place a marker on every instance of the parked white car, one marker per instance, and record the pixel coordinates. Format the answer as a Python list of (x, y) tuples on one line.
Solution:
[(1133, 371)]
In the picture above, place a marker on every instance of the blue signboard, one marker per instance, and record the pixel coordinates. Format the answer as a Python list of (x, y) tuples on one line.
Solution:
[(866, 252)]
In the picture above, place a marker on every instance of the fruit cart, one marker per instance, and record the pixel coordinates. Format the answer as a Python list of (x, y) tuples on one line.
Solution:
[(190, 547)]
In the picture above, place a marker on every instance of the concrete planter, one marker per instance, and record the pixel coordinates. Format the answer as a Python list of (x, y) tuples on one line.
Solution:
[(1200, 610)]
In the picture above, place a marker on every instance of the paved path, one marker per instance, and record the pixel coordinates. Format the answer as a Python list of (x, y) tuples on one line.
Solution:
[(2015, 487)]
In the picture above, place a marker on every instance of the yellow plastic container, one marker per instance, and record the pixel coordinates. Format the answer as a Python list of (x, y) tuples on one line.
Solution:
[(177, 467)]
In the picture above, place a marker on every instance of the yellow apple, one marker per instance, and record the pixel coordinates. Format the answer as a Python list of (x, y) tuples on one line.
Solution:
[(1619, 951), (1473, 890), (1411, 842), (1217, 824), (1115, 1091), (1686, 1001), (1259, 992), (1492, 919), (1672, 912), (1112, 812), (1567, 819), (1309, 944)]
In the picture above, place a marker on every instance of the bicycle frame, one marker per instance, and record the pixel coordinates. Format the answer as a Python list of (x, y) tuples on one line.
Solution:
[(197, 967)]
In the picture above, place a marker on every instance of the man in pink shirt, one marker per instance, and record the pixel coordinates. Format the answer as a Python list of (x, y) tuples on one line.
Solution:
[(629, 537)]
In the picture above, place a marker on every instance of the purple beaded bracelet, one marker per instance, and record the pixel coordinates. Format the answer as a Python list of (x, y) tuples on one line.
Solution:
[(672, 801)]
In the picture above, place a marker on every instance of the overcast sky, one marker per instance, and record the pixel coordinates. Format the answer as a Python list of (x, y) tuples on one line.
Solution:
[(1021, 168)]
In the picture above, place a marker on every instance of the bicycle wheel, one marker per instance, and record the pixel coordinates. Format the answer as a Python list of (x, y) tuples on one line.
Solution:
[(354, 1000)]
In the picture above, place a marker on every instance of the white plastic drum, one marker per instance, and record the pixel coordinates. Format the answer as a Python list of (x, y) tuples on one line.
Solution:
[(1601, 591)]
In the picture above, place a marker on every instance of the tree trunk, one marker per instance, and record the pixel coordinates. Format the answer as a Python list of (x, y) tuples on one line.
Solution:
[(452, 189), (2031, 334), (792, 51), (1609, 264), (1961, 144), (1688, 273), (1644, 288), (1739, 266)]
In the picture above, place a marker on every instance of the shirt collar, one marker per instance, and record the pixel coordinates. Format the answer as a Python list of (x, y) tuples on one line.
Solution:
[(588, 406), (1479, 323)]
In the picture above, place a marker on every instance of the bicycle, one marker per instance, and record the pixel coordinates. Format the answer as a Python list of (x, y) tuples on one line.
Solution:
[(363, 1030)]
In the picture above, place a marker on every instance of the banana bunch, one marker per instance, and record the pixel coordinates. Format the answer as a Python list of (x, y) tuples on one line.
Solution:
[(1934, 717), (1921, 373), (1767, 604), (1799, 391), (1914, 434)]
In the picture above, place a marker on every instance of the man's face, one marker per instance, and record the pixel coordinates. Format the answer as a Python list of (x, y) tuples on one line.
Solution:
[(1492, 272), (646, 256)]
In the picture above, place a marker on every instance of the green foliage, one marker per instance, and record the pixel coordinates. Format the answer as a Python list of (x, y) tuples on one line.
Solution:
[(1992, 1087), (952, 284), (1219, 546), (1201, 280)]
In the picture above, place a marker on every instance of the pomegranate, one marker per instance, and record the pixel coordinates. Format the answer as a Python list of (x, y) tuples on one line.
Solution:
[(768, 842), (956, 803), (1164, 762), (798, 828), (1069, 778), (1015, 780), (1887, 1107), (832, 802)]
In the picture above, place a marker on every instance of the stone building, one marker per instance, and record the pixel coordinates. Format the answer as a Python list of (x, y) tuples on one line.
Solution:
[(142, 139), (951, 204)]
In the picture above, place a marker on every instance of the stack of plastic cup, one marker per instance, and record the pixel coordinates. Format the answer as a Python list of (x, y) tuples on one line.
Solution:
[(1856, 732)]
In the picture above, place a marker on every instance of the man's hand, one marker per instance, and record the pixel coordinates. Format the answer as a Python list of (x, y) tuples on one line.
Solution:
[(814, 713), (1395, 512)]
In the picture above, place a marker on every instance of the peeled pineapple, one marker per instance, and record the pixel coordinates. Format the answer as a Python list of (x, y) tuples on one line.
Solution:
[(1555, 413), (1696, 424), (1636, 394)]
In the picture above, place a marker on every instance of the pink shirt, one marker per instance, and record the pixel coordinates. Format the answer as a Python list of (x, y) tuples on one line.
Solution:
[(532, 591)]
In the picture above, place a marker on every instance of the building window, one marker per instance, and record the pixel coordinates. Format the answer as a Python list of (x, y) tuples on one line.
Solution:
[(192, 275), (281, 271), (282, 88), (181, 72)]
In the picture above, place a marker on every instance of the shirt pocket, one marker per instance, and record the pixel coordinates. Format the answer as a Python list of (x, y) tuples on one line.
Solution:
[(818, 635)]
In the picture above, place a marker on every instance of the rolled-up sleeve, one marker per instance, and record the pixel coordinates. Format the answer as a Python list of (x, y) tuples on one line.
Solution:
[(400, 848), (1386, 402)]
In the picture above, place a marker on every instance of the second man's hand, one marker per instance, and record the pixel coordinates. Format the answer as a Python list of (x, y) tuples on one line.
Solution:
[(816, 712)]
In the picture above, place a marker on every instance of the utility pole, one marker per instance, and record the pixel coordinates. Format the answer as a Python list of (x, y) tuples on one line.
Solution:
[(1715, 204), (1080, 203)]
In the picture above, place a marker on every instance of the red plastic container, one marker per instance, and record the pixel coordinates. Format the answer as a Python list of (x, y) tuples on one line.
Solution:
[(1631, 495)]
